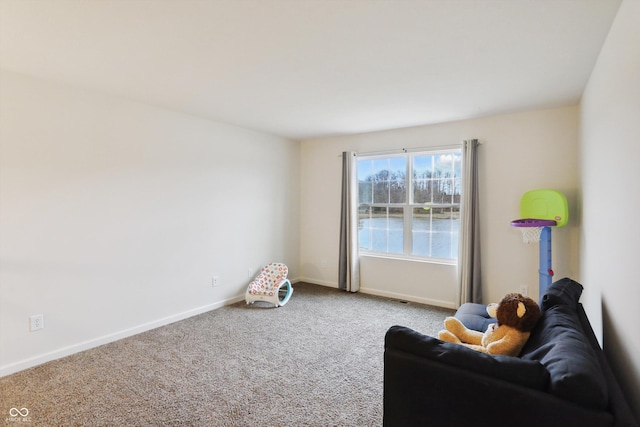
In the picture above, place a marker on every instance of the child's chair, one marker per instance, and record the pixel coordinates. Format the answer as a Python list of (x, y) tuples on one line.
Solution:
[(271, 285)]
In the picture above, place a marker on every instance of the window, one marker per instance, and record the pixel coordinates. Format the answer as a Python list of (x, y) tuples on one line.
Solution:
[(417, 217)]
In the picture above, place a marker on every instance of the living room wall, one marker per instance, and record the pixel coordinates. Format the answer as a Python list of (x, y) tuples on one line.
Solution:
[(519, 152), (610, 149), (116, 215)]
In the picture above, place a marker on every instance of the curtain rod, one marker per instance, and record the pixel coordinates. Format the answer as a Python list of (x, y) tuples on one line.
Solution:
[(409, 150)]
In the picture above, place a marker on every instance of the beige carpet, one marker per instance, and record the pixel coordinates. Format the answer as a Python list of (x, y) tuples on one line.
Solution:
[(317, 361)]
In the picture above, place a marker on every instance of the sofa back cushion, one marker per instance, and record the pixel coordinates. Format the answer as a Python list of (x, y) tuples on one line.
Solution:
[(529, 373), (560, 344)]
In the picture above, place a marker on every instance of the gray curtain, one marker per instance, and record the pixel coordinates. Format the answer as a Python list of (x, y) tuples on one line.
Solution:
[(469, 286), (349, 267)]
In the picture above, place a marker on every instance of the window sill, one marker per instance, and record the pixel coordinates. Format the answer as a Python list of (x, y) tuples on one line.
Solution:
[(409, 259)]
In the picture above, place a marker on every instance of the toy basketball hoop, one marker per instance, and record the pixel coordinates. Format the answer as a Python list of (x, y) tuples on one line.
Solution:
[(532, 228), (540, 210)]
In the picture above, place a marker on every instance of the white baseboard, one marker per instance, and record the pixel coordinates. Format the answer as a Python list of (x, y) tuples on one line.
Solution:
[(412, 298), (86, 345), (386, 294), (318, 282)]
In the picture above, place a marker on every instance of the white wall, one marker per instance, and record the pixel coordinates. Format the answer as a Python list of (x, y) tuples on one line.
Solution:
[(610, 152), (520, 152), (115, 216)]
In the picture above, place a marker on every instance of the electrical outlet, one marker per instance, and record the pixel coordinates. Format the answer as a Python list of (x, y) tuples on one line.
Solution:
[(36, 322), (250, 273), (215, 281), (524, 290)]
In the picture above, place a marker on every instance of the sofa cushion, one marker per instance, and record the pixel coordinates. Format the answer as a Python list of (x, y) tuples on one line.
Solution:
[(529, 373), (559, 343), (474, 316), (562, 292)]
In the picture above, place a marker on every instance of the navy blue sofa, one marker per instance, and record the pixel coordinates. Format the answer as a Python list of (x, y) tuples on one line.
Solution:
[(561, 377)]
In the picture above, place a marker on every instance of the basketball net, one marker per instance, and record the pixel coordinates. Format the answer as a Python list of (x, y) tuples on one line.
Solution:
[(531, 235)]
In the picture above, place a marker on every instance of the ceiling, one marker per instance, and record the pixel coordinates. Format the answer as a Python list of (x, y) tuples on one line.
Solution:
[(306, 69)]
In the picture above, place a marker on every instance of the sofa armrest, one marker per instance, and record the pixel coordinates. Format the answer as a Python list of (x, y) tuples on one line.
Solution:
[(422, 387), (618, 404)]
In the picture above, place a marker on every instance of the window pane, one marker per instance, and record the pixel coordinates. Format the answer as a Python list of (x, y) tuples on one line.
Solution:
[(398, 184), (382, 180), (365, 192), (379, 240), (365, 185), (396, 230), (381, 188), (457, 190), (457, 165), (435, 232), (444, 164), (421, 232), (422, 165), (364, 228), (381, 229), (443, 189), (422, 174), (446, 178)]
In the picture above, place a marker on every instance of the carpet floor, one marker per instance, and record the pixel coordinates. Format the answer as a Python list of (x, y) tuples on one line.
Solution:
[(317, 361)]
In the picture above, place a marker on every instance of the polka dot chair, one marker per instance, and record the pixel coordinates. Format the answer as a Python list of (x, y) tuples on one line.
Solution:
[(271, 285)]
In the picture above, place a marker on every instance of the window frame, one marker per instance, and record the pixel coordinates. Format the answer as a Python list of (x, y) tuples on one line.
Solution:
[(409, 205)]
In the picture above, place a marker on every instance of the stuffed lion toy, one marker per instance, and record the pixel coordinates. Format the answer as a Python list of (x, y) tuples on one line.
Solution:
[(517, 315)]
